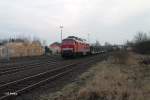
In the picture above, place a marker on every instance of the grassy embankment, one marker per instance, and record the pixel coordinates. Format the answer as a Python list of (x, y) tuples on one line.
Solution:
[(121, 77)]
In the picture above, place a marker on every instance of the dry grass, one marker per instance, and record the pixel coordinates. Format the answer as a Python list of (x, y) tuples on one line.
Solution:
[(122, 57), (122, 80), (110, 83)]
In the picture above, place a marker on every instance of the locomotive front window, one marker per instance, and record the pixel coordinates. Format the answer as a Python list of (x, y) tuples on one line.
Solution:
[(66, 42)]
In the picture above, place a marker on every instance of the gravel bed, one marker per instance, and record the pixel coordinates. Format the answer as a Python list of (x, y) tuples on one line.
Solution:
[(29, 72), (59, 83)]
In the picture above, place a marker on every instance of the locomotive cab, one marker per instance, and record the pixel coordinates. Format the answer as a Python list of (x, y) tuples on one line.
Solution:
[(67, 47)]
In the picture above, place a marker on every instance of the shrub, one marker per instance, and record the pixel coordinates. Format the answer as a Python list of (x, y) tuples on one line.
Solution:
[(142, 47)]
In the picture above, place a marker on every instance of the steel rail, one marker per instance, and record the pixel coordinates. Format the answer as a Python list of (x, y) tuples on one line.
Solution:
[(15, 69), (22, 62), (36, 84), (5, 67), (35, 76), (57, 73)]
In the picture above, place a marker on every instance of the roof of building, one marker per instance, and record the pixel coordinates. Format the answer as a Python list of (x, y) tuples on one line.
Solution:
[(55, 44), (76, 38)]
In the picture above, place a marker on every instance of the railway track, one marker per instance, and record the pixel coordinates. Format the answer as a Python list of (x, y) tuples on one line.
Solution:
[(12, 75), (21, 60), (24, 62), (32, 81), (28, 60), (14, 88), (4, 71), (24, 65)]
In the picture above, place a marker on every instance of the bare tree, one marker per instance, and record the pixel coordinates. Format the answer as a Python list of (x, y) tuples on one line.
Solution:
[(36, 40), (129, 43), (142, 43), (141, 36), (107, 44), (97, 43)]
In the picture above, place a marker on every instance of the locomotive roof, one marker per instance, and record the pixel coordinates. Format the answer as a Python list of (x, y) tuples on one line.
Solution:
[(76, 38)]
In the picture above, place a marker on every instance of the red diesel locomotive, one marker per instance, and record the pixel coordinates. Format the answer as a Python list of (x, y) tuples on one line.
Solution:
[(73, 46)]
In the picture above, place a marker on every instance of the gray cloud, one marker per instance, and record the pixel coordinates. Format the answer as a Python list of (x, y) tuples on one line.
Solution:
[(114, 21)]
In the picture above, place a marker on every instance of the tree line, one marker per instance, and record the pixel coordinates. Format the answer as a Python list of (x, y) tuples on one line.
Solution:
[(141, 43), (20, 39)]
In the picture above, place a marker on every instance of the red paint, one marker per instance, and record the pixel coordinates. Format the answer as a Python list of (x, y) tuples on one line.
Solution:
[(77, 45)]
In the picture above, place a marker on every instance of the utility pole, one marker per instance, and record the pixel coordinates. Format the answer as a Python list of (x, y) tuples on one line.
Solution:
[(88, 37), (61, 27), (7, 53)]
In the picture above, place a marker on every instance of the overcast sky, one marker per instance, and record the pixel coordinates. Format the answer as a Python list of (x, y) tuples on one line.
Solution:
[(114, 21)]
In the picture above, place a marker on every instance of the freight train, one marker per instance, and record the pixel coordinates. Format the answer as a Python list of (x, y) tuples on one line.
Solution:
[(74, 46)]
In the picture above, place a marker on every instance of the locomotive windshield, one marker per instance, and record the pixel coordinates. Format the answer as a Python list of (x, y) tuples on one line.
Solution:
[(68, 41)]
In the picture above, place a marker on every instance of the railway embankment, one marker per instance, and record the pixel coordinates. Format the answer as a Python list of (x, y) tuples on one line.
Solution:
[(122, 76)]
